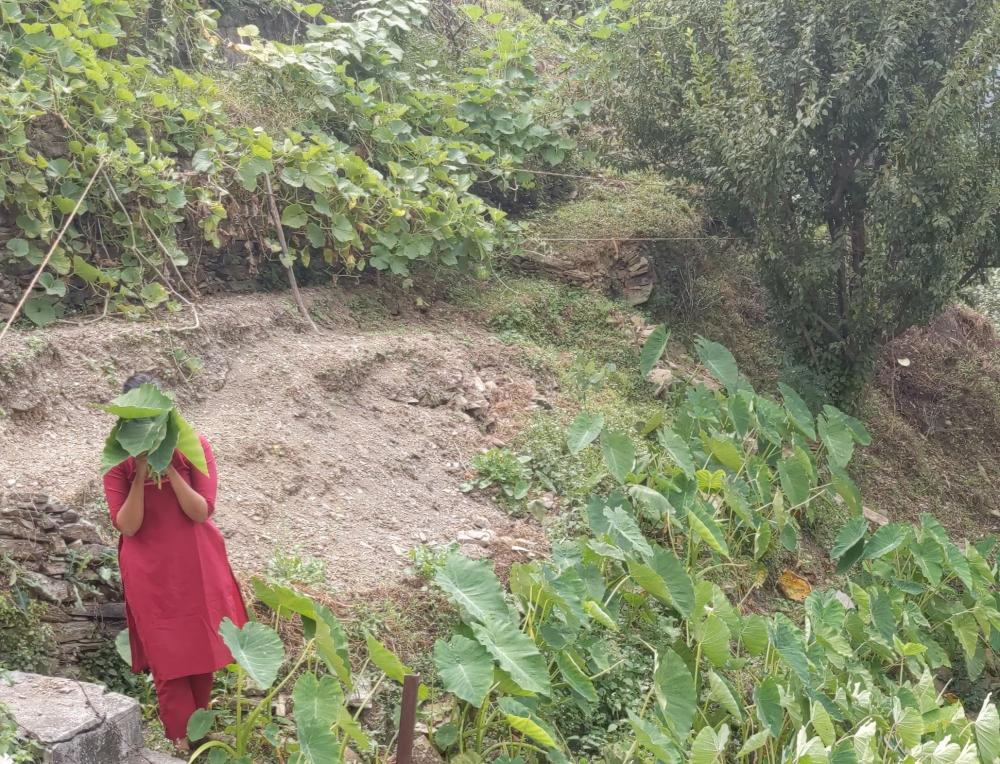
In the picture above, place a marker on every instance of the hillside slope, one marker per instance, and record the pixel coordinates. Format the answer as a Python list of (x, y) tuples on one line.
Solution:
[(350, 444)]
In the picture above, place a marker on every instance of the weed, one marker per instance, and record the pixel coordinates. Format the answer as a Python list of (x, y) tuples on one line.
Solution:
[(292, 568), (427, 559), (502, 468)]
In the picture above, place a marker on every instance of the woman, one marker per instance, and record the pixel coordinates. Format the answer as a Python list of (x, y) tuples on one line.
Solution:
[(176, 577)]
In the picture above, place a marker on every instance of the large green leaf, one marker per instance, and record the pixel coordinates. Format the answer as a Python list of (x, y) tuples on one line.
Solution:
[(713, 637), (584, 431), (767, 700), (652, 349), (350, 727), (798, 411), (790, 645), (846, 489), (649, 580), (707, 529), (795, 473), (625, 532), (575, 676), (137, 436), (516, 653), (669, 567), (709, 746), (386, 660), (884, 540), (142, 402), (331, 642), (472, 586), (838, 439), (283, 600), (317, 743), (821, 722), (657, 504), (188, 443), (677, 450), (256, 648), (200, 722), (520, 718), (675, 694), (465, 668), (123, 647), (722, 692), (858, 431), (317, 700), (988, 732), (113, 453), (160, 457), (654, 740), (720, 363), (619, 453), (852, 532)]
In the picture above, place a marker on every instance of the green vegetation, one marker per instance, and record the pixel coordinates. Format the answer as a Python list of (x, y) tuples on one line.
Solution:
[(13, 748), (377, 170), (727, 480), (26, 642), (855, 142)]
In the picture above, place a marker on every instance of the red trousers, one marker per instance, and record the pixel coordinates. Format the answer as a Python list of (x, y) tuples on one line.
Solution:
[(178, 699)]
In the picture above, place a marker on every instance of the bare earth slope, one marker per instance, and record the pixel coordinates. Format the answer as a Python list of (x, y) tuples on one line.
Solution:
[(350, 444)]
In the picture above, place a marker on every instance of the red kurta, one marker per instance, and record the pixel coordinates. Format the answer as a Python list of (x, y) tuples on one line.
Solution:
[(177, 580)]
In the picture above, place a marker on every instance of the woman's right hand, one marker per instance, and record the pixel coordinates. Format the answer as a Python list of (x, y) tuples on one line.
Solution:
[(141, 467)]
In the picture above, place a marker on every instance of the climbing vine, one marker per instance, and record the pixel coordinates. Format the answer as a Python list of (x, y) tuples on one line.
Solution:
[(379, 174)]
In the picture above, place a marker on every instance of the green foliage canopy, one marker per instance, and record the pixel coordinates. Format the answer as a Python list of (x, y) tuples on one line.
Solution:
[(860, 140)]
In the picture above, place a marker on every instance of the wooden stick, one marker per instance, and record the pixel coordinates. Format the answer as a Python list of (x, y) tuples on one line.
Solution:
[(45, 262), (284, 248), (407, 719)]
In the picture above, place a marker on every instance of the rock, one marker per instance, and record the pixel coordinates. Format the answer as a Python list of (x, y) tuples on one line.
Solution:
[(82, 532), (876, 517), (662, 378), (359, 696), (483, 537), (146, 756), (74, 631), (424, 752), (69, 516), (23, 549), (46, 588), (75, 722)]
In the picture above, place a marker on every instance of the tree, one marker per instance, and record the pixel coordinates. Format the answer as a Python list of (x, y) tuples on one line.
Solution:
[(861, 139)]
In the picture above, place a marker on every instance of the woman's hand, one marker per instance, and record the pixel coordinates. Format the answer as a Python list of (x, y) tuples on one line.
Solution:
[(131, 515), (192, 503)]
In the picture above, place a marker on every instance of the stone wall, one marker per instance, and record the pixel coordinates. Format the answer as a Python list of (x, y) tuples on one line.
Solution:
[(60, 559)]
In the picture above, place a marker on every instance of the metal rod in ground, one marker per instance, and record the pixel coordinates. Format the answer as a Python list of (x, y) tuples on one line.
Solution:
[(407, 719)]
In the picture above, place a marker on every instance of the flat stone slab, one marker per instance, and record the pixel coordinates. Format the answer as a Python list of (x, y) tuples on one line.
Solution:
[(76, 722), (146, 756)]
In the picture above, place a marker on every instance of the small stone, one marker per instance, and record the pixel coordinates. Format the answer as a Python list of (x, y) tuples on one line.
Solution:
[(481, 537), (83, 532), (876, 517), (49, 589)]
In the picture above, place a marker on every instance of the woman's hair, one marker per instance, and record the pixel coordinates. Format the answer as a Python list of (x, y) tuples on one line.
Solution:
[(141, 378)]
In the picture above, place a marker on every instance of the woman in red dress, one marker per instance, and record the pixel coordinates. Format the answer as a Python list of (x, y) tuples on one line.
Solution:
[(176, 577)]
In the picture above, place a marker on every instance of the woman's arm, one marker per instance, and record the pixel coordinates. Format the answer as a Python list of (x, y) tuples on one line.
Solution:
[(129, 517), (192, 502), (197, 499)]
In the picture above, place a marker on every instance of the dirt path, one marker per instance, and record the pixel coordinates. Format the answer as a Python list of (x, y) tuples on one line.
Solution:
[(349, 444)]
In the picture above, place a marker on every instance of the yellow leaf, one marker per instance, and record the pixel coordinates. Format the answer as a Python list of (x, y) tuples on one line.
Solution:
[(793, 586)]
